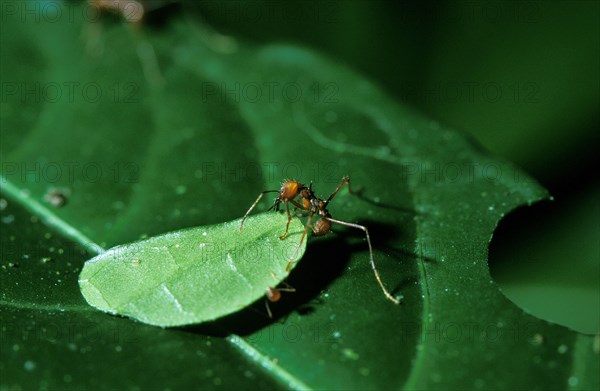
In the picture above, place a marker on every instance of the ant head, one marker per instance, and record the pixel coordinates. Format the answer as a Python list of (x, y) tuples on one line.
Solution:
[(290, 189)]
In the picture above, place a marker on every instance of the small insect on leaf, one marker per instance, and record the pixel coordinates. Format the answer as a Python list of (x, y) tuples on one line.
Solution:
[(193, 275)]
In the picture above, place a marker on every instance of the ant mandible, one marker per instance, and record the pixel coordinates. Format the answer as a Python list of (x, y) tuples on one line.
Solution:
[(303, 197)]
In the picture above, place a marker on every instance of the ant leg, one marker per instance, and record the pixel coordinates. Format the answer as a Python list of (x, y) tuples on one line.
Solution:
[(291, 261), (361, 227), (345, 180), (287, 226), (274, 294), (254, 204), (268, 309), (288, 287), (296, 207)]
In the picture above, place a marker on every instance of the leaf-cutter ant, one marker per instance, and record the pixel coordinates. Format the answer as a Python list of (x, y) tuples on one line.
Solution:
[(303, 197), (274, 294)]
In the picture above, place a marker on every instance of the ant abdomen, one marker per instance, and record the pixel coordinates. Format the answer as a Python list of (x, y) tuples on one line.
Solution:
[(321, 227)]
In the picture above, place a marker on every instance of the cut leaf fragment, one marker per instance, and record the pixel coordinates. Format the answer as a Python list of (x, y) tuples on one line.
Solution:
[(192, 275)]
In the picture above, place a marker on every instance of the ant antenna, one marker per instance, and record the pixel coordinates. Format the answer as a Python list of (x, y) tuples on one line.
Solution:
[(291, 261), (256, 202)]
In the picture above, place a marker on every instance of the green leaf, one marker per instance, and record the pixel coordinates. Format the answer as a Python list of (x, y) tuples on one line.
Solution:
[(192, 149), (51, 338), (193, 275)]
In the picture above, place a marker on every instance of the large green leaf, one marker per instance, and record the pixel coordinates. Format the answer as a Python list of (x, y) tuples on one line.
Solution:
[(193, 146)]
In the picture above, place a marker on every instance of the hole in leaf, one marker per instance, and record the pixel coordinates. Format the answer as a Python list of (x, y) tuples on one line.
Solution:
[(545, 260)]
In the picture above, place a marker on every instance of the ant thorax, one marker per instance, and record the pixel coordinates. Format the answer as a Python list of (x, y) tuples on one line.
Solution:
[(315, 203), (307, 193)]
